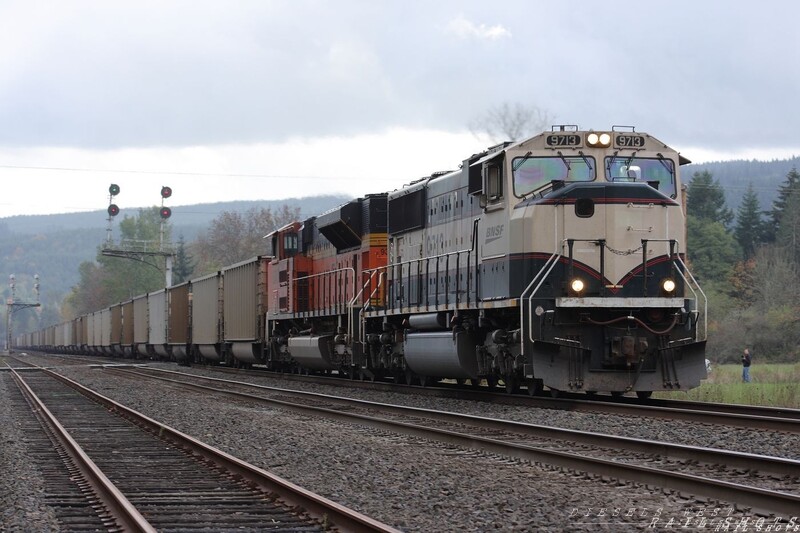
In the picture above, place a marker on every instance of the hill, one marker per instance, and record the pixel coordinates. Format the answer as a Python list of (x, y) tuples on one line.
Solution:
[(735, 177)]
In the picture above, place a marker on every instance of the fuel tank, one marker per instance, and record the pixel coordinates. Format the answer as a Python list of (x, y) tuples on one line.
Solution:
[(312, 351), (441, 354)]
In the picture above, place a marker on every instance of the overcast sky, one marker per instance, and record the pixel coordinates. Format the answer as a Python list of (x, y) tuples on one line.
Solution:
[(266, 99)]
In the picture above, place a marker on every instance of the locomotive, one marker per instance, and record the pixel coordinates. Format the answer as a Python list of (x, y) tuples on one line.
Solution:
[(558, 261)]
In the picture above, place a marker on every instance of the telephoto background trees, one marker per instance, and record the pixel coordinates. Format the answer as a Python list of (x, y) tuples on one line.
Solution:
[(233, 237)]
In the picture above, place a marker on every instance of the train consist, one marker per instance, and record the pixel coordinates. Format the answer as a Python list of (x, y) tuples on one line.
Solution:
[(557, 261)]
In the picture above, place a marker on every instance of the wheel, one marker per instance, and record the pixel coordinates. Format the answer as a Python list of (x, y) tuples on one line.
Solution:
[(644, 394), (410, 376), (491, 382), (424, 381), (555, 393), (617, 394), (475, 382)]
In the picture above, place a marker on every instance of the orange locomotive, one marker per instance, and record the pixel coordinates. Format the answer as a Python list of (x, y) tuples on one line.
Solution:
[(316, 286)]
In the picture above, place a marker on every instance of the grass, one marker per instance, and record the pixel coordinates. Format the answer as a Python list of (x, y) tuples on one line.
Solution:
[(776, 385)]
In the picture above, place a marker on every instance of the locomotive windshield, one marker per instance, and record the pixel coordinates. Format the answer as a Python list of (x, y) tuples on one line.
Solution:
[(532, 173), (659, 170)]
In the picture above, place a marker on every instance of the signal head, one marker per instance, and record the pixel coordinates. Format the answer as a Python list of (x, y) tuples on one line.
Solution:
[(113, 210), (166, 192), (165, 212), (113, 190)]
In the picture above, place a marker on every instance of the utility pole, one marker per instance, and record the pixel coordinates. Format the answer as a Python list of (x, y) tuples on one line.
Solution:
[(12, 306)]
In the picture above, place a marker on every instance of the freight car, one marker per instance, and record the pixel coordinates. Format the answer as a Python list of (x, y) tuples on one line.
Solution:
[(556, 261)]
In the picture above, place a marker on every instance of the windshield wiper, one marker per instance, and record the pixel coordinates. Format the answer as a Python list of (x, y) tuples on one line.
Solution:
[(664, 162), (585, 159), (564, 159), (609, 163), (522, 161)]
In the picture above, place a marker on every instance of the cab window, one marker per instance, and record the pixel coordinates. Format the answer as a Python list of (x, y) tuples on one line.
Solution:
[(534, 173), (659, 172), (289, 244)]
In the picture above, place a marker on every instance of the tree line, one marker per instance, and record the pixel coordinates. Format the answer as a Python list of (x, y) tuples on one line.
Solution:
[(748, 264)]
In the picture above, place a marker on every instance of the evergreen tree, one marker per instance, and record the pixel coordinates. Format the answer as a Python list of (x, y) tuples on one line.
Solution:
[(749, 230), (712, 249), (706, 199), (787, 234), (788, 191), (184, 263)]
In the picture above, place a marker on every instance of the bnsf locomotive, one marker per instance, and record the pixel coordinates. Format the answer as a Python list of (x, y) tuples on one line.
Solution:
[(557, 261)]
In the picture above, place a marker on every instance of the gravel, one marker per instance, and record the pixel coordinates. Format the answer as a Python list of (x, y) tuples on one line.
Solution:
[(22, 486), (418, 485)]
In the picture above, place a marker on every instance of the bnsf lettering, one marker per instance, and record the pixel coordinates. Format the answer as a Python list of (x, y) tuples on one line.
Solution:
[(494, 232)]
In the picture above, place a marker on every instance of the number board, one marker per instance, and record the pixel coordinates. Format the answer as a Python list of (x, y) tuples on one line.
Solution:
[(563, 140), (629, 141)]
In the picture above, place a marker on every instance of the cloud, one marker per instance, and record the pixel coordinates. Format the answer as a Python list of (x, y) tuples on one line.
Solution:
[(466, 29)]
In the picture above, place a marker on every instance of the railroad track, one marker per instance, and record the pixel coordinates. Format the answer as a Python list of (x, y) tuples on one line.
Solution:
[(766, 484), (50, 360), (746, 416), (140, 475)]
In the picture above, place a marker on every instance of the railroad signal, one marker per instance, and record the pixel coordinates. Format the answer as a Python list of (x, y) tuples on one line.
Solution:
[(113, 190), (113, 210), (166, 192), (165, 212)]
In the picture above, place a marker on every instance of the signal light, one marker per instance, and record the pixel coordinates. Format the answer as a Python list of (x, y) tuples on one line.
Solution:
[(166, 192), (113, 190), (113, 210), (165, 212)]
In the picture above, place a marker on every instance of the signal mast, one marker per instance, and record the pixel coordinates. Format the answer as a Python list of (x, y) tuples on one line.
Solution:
[(144, 251)]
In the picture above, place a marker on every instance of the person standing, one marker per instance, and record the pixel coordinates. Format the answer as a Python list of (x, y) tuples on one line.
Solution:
[(746, 360)]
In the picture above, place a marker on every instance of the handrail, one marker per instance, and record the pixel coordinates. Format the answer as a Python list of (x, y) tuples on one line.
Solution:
[(368, 299), (690, 284), (328, 273), (446, 255), (682, 270), (700, 289), (551, 262)]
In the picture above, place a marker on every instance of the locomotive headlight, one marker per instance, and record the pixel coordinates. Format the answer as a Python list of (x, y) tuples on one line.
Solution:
[(576, 285), (668, 286), (598, 139)]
